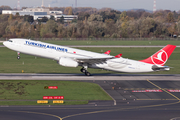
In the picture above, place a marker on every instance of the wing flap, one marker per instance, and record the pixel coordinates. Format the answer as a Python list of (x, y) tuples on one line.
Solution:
[(93, 60)]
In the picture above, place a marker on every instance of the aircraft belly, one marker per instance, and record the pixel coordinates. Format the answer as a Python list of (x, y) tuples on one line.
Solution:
[(120, 67), (116, 65), (128, 69)]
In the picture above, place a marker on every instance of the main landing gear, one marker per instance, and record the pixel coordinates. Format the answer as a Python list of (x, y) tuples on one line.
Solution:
[(83, 70), (18, 57)]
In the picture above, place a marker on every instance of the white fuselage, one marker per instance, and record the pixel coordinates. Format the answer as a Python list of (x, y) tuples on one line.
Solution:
[(51, 51)]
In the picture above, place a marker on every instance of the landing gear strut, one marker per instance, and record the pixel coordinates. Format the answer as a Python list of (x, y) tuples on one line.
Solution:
[(83, 70), (18, 57)]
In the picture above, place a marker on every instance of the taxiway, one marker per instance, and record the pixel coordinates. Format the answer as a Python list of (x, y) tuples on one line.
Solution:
[(135, 97)]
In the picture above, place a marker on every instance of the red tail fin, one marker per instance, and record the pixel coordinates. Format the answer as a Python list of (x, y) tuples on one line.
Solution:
[(160, 57)]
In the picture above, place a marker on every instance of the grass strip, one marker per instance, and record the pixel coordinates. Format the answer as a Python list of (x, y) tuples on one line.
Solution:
[(112, 42), (3, 103)]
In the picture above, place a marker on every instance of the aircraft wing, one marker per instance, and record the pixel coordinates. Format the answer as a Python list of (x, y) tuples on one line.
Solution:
[(93, 60)]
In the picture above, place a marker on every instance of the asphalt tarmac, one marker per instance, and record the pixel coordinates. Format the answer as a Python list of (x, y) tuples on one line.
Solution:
[(147, 99), (35, 76)]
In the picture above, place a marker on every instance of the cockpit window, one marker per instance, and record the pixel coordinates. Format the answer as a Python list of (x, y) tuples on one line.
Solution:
[(10, 40)]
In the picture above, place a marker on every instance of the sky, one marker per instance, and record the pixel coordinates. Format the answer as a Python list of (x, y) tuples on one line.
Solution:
[(173, 5)]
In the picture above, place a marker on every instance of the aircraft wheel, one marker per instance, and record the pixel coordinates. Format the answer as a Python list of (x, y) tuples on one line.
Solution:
[(83, 70), (87, 73)]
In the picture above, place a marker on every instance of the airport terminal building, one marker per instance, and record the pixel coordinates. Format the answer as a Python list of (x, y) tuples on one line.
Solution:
[(39, 13)]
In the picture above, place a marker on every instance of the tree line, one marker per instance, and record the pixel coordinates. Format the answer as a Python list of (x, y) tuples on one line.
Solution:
[(93, 23)]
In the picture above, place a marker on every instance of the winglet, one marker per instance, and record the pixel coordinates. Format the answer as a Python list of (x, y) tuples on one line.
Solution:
[(107, 52), (118, 56), (160, 57)]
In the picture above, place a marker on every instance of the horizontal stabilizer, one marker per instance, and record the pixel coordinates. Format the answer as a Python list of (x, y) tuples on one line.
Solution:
[(160, 68)]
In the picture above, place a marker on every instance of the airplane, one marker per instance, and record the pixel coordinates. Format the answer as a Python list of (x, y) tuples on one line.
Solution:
[(71, 57)]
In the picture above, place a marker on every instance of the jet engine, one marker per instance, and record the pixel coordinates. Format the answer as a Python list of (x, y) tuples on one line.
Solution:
[(67, 62)]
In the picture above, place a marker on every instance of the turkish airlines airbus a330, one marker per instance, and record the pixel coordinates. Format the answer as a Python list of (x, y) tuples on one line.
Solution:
[(71, 57)]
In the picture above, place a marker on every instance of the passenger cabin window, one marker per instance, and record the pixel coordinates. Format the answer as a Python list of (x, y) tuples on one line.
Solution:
[(10, 40)]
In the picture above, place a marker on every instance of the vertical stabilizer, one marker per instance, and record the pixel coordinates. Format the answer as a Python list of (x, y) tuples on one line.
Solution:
[(160, 57)]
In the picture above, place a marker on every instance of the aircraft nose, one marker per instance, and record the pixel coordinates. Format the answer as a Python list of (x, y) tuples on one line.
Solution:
[(5, 43)]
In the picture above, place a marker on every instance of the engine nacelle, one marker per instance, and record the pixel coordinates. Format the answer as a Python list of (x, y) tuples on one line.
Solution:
[(67, 62)]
